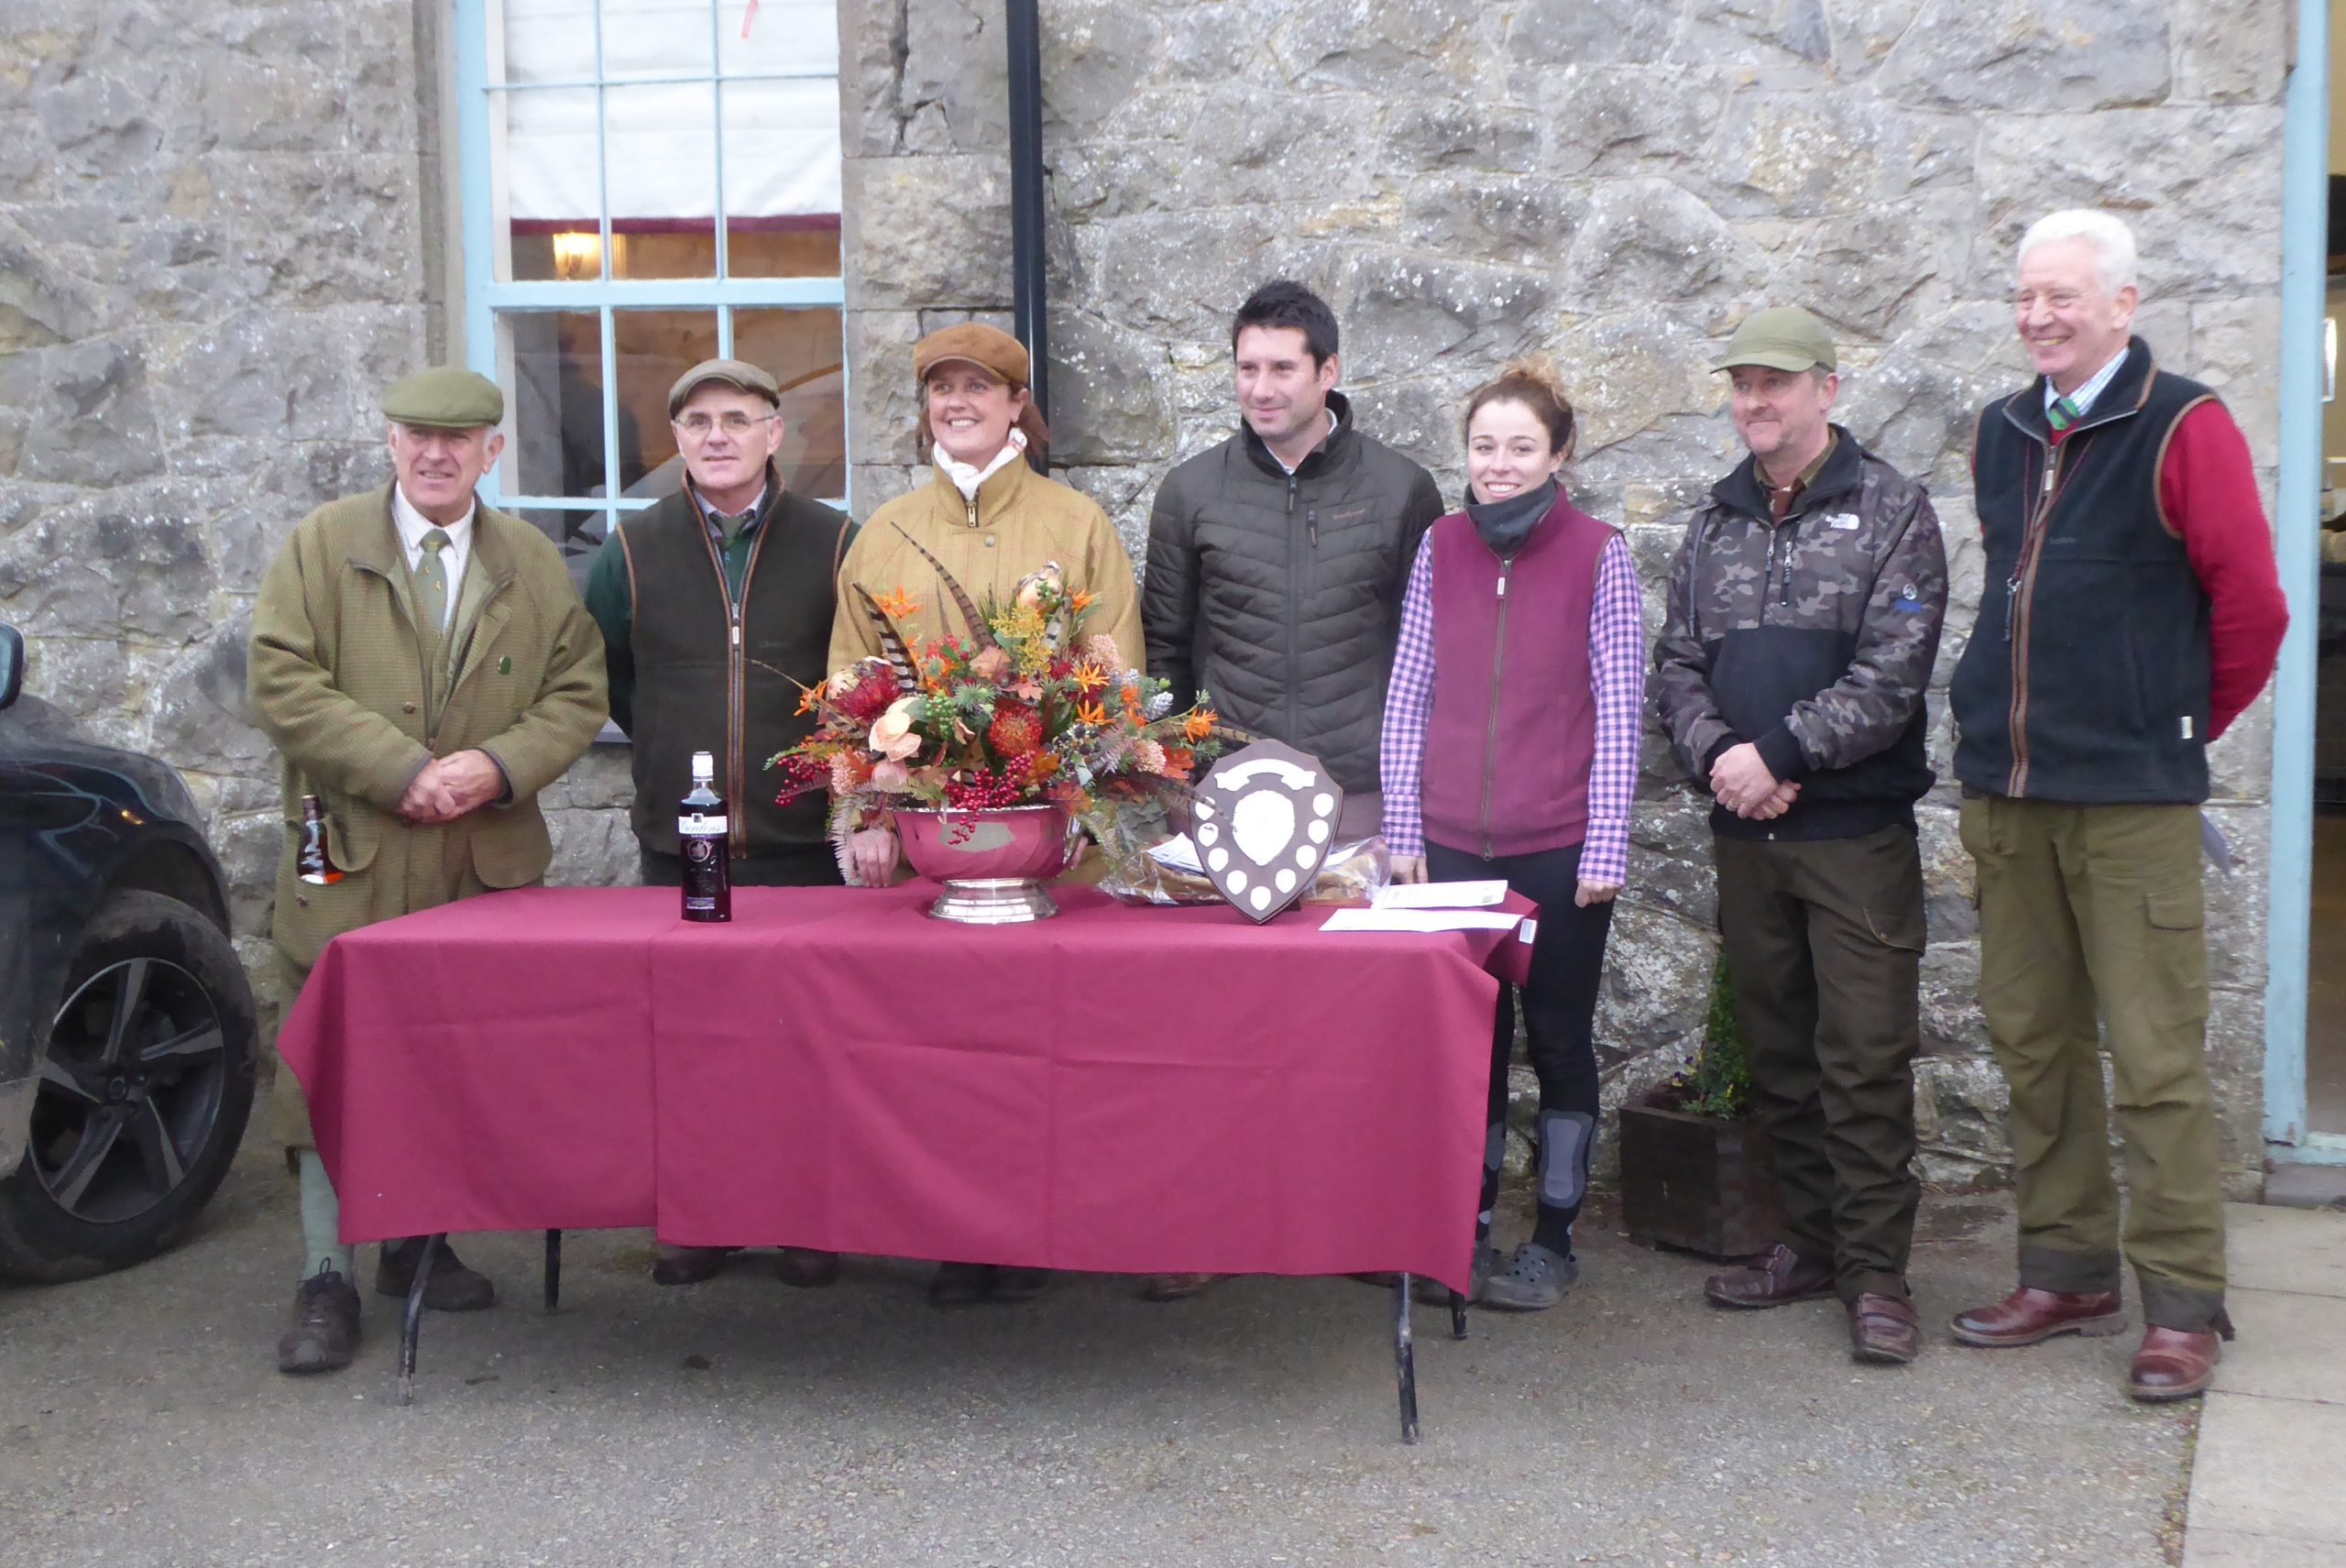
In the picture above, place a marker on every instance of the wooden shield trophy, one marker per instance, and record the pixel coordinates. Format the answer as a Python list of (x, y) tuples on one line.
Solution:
[(1261, 819)]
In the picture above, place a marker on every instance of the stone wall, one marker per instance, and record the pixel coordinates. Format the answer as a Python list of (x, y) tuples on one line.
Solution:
[(1616, 182)]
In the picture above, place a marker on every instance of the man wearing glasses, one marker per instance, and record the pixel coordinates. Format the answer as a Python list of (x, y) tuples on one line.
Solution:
[(716, 606)]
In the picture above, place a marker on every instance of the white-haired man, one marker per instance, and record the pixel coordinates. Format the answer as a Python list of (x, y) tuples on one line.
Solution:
[(2132, 610)]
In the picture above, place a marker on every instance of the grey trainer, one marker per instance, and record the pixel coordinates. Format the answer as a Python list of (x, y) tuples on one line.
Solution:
[(1533, 1280)]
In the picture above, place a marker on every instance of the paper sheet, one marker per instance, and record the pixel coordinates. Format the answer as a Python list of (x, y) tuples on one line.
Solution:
[(1177, 853), (1419, 920), (1442, 895)]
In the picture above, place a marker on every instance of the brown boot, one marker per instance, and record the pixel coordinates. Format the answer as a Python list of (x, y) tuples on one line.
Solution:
[(1885, 1328), (325, 1335), (807, 1268), (1178, 1286), (452, 1287), (2175, 1364), (2030, 1316), (1775, 1278)]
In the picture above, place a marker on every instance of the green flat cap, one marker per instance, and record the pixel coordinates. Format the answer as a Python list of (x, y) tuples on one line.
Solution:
[(735, 373), (446, 397), (1783, 339)]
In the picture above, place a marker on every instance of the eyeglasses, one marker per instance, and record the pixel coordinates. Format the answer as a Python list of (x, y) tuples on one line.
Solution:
[(698, 426)]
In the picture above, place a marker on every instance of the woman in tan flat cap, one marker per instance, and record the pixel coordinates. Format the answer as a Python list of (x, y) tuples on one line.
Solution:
[(991, 519)]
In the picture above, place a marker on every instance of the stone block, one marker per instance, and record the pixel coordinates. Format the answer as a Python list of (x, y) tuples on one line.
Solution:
[(84, 677), (1865, 31), (98, 125), (1657, 984), (1759, 33), (1949, 995), (598, 780), (926, 231), (1446, 135), (40, 302), (1795, 154), (2230, 51), (2024, 56), (591, 848), (1625, 119), (1181, 277), (250, 844), (1626, 375), (1098, 55), (89, 410), (1646, 242), (1125, 494), (1590, 32), (1109, 400), (2236, 344), (1959, 1108), (872, 55), (1419, 49), (110, 563), (258, 373), (1518, 220), (883, 400), (1405, 314), (955, 77), (1418, 418)]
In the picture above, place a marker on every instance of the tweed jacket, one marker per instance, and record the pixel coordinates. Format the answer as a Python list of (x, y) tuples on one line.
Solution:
[(1019, 520), (335, 674)]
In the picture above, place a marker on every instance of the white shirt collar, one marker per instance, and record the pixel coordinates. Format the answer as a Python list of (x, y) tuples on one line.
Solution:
[(967, 478), (1315, 446), (2084, 396), (413, 525)]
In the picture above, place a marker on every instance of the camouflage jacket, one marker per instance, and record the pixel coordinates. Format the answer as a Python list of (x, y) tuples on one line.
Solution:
[(1811, 638)]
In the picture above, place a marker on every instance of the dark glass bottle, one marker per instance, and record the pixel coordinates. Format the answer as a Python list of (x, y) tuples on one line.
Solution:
[(703, 840), (311, 863)]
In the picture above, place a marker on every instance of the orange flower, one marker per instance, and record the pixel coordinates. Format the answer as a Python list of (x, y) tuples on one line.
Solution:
[(1199, 724), (810, 698), (897, 605), (1179, 760), (1091, 713), (1081, 602), (1089, 677), (1131, 693)]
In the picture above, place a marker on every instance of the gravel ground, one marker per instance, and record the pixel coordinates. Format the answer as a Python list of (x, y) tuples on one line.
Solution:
[(142, 1421)]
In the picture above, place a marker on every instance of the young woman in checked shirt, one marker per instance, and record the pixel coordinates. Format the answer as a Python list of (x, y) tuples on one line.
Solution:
[(1510, 752)]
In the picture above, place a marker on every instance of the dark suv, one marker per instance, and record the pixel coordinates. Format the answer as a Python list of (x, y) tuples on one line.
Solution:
[(126, 1024)]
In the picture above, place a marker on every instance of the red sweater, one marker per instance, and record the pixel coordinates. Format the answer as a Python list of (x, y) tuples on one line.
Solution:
[(2207, 490)]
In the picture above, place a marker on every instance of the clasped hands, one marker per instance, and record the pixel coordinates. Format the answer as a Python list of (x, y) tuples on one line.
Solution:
[(1741, 781), (449, 786)]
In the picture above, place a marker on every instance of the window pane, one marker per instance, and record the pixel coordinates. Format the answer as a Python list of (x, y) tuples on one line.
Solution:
[(803, 349), (578, 534), (551, 365), (782, 178), (545, 179), (661, 143), (656, 37), (786, 38), (654, 348), (541, 40)]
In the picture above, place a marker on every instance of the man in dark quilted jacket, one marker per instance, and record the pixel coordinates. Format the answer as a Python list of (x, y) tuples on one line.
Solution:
[(1278, 558)]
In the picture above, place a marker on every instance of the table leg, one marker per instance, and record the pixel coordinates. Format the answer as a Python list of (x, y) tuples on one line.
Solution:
[(1405, 1360), (412, 1322), (554, 1269)]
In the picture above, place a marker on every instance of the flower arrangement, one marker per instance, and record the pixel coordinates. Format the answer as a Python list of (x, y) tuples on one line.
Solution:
[(1022, 709)]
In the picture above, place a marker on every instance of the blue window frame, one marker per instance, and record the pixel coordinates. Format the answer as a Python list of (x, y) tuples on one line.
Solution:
[(647, 184)]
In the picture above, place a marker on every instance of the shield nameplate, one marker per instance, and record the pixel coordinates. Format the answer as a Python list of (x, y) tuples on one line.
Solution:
[(1263, 819)]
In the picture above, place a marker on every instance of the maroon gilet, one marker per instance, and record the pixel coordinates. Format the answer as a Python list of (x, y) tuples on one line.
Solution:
[(1513, 725)]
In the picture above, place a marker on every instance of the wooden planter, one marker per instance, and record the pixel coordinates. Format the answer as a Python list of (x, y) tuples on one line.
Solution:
[(1696, 1182)]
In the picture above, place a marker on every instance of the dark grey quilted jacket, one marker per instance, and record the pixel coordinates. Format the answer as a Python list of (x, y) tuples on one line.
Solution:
[(1279, 597)]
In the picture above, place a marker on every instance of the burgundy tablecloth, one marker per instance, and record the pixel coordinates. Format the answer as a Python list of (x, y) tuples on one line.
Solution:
[(1116, 1089)]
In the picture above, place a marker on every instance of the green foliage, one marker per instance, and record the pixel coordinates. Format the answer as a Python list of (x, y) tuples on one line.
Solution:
[(1720, 1084)]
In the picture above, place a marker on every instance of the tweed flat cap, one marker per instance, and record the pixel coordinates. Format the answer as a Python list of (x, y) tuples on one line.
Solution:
[(1785, 338), (988, 348), (446, 397), (735, 373)]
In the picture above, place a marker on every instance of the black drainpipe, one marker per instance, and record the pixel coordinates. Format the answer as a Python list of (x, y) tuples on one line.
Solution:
[(1025, 38)]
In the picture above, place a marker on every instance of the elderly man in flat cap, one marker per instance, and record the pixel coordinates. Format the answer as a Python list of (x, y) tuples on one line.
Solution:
[(716, 609), (426, 668), (1804, 611)]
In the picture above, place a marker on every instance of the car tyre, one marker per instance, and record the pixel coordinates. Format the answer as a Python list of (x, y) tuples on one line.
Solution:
[(145, 1082)]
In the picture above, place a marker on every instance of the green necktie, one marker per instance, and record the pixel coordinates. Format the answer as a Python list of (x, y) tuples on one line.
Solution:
[(730, 524), (2063, 413), (431, 585)]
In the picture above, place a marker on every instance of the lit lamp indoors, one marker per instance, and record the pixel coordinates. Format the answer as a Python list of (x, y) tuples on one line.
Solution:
[(578, 254)]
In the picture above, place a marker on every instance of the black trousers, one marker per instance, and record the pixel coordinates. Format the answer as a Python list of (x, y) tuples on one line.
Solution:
[(812, 866), (1560, 1025)]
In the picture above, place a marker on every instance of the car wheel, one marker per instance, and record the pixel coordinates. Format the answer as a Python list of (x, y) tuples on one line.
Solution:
[(145, 1080)]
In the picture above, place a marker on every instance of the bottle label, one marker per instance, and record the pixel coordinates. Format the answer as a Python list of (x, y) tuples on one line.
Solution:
[(698, 826), (699, 906)]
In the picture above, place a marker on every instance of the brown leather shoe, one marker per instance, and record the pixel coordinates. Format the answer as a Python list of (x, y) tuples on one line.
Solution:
[(1178, 1287), (325, 1335), (2030, 1316), (1775, 1278), (689, 1264), (452, 1287), (1885, 1328), (807, 1268), (2173, 1365)]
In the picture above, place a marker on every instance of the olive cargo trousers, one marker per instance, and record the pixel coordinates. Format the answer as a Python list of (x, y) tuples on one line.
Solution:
[(2091, 921)]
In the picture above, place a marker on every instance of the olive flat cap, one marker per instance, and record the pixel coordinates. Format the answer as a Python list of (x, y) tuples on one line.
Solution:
[(1783, 339), (738, 374), (990, 349), (446, 397)]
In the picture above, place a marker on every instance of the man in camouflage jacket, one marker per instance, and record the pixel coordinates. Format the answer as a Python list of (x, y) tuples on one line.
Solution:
[(1805, 614)]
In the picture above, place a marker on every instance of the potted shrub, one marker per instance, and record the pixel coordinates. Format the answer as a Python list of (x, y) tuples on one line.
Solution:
[(1695, 1171)]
